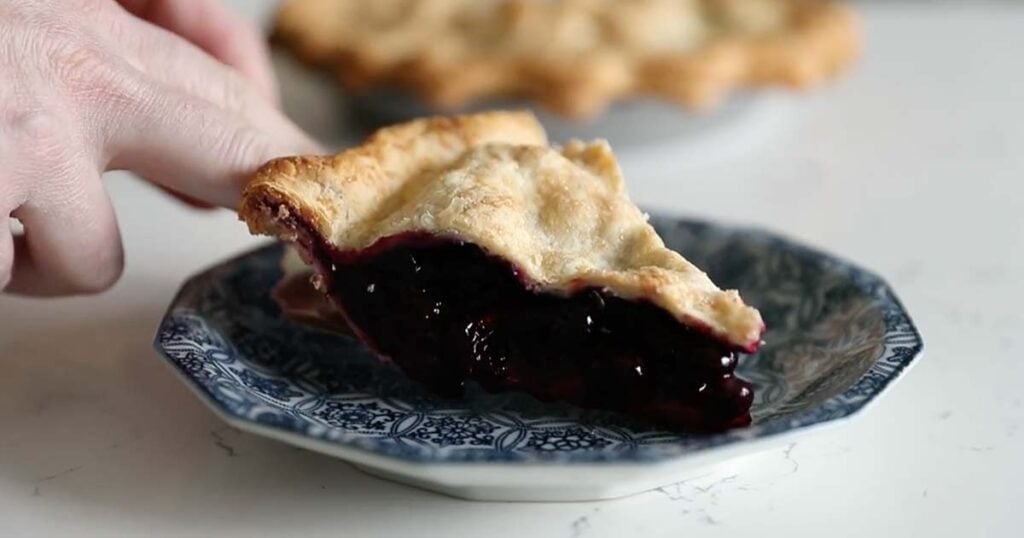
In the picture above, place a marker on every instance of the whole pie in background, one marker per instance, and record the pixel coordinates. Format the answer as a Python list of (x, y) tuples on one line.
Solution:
[(574, 57), (469, 249)]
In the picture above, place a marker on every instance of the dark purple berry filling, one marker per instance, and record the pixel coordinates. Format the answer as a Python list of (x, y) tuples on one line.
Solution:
[(446, 313)]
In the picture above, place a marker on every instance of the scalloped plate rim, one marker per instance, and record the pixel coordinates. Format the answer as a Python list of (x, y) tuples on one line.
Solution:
[(533, 481)]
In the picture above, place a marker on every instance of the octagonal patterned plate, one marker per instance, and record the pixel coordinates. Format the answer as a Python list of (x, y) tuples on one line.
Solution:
[(837, 339)]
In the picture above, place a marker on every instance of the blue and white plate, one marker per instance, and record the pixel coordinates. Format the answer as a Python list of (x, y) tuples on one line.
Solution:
[(837, 338)]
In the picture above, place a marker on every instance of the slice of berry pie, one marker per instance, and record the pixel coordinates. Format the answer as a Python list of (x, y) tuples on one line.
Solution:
[(468, 249)]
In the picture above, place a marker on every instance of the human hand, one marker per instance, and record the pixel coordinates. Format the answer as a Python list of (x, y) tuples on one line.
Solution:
[(178, 91)]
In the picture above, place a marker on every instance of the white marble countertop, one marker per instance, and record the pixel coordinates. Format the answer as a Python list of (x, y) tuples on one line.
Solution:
[(913, 167)]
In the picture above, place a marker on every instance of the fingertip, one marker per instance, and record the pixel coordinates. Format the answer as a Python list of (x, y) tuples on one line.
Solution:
[(249, 54), (222, 33), (46, 268), (263, 70), (6, 255), (240, 44)]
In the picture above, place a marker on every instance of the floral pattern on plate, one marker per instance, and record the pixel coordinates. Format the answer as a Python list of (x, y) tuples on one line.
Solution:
[(837, 338)]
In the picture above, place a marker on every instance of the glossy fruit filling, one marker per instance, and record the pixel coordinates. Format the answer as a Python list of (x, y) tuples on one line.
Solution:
[(447, 313)]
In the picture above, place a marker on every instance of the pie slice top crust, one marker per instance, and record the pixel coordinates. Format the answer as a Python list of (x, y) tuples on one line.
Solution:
[(559, 216), (574, 56)]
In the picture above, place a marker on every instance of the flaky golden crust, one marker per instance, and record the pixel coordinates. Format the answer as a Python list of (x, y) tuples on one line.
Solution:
[(561, 215), (573, 56)]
